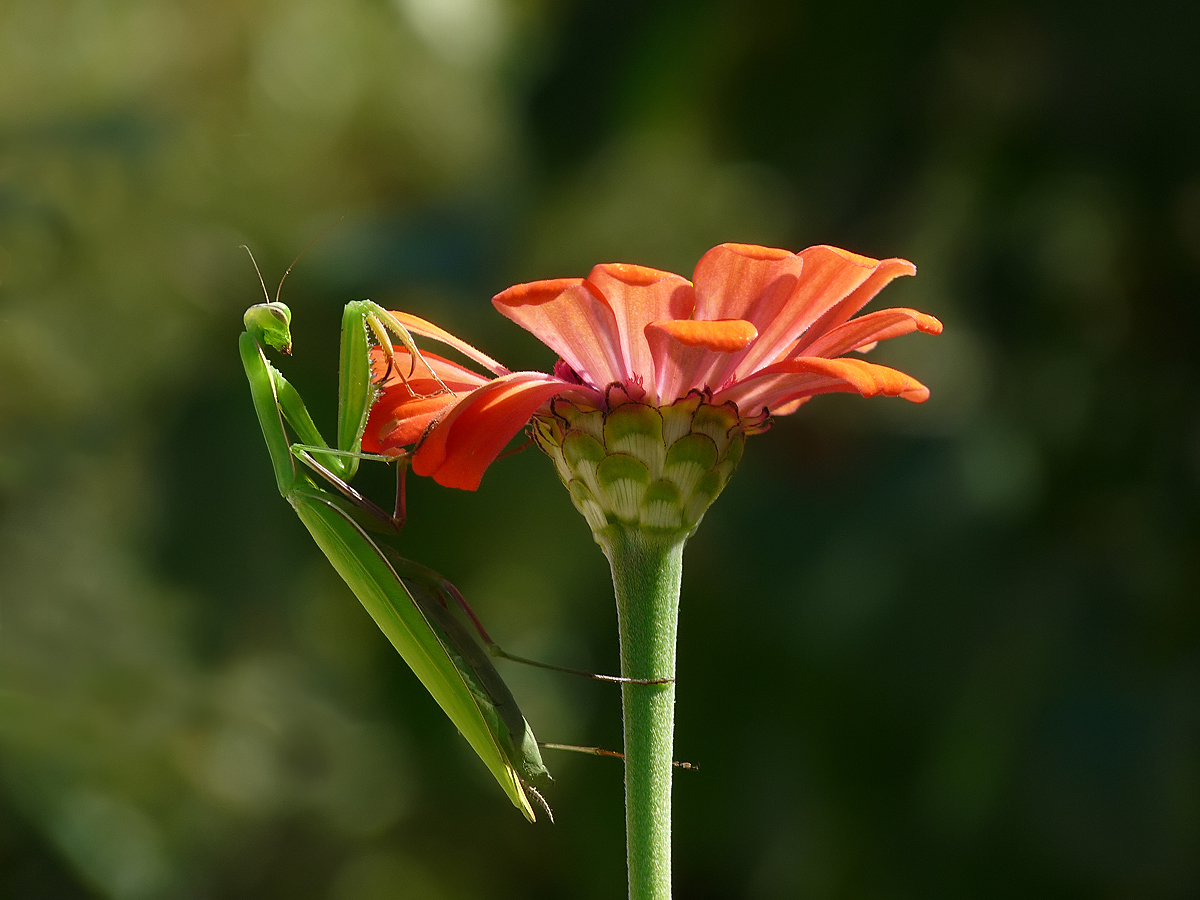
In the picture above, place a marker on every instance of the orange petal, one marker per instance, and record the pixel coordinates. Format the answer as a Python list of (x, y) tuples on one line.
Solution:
[(397, 423), (865, 331), (638, 296), (743, 281), (535, 293), (778, 385), (458, 449), (571, 318), (790, 407)]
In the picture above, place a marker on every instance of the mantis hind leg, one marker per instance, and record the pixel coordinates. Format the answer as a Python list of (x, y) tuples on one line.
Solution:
[(611, 754), (500, 653), (443, 589)]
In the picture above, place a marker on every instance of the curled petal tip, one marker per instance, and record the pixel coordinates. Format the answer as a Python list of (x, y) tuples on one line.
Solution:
[(630, 274), (721, 336), (754, 251), (893, 383), (894, 267), (534, 293)]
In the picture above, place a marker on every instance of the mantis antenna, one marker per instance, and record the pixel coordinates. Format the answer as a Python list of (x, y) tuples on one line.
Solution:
[(379, 321), (254, 262), (299, 256)]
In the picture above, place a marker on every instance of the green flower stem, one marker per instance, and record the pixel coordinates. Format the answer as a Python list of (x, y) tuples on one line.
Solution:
[(646, 574)]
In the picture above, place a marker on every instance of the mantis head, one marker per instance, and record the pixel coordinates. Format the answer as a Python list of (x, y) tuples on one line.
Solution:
[(271, 323)]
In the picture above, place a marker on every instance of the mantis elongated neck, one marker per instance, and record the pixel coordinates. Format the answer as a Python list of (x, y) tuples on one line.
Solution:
[(646, 574)]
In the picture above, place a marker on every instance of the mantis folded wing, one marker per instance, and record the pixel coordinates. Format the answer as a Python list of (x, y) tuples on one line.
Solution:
[(407, 601)]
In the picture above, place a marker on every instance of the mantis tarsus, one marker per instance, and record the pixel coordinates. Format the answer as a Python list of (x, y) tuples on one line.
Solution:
[(410, 604)]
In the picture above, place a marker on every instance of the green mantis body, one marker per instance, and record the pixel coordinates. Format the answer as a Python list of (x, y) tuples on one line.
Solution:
[(411, 604)]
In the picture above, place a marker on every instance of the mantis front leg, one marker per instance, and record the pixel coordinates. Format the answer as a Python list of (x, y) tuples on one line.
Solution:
[(364, 324)]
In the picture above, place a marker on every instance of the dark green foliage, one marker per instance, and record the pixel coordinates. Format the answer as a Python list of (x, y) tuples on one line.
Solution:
[(939, 652)]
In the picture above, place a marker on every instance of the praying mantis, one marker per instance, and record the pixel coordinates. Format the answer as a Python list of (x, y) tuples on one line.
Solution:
[(411, 604)]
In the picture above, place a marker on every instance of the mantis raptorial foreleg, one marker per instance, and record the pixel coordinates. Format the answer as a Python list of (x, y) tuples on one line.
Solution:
[(376, 518)]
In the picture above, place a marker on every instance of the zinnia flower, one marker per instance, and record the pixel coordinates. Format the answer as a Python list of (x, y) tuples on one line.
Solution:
[(658, 382), (658, 379)]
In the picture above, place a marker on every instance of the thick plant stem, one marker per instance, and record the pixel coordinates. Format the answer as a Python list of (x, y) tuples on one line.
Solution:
[(646, 574)]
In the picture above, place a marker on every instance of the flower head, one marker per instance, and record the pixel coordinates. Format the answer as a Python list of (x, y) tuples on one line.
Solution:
[(757, 332)]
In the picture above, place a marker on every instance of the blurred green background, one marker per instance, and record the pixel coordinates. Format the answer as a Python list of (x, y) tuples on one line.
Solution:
[(939, 651)]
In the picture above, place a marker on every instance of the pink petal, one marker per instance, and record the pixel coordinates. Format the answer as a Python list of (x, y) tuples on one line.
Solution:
[(571, 318), (458, 449), (864, 332), (422, 328), (638, 296), (778, 385), (683, 348)]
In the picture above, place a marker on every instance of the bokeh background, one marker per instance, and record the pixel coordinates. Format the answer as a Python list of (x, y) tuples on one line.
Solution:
[(941, 651)]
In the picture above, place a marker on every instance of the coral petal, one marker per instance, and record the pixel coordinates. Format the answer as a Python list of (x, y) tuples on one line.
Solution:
[(830, 275), (685, 350), (458, 449), (744, 281), (392, 426), (790, 407), (778, 385), (455, 376), (408, 403), (534, 293), (841, 311), (422, 328), (570, 317), (865, 331), (629, 274), (638, 296), (754, 251)]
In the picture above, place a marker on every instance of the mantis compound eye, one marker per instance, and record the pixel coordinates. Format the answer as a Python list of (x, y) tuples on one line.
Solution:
[(271, 324)]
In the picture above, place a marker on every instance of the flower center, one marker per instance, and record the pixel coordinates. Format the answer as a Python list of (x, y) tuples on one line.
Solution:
[(649, 468)]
